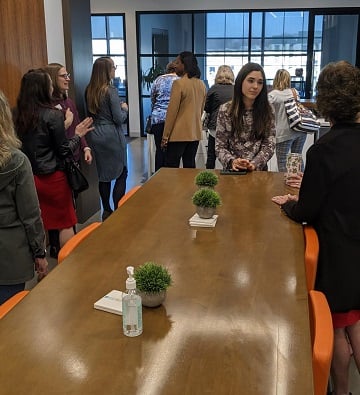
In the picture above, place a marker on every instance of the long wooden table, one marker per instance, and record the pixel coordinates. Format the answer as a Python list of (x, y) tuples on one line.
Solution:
[(235, 321)]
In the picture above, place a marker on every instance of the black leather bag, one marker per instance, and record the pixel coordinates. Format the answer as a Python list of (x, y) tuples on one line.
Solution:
[(76, 178)]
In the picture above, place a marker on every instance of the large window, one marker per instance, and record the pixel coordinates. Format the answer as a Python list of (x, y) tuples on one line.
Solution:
[(108, 39)]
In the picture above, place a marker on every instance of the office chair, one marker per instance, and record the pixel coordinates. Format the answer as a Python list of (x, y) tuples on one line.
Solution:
[(311, 255), (69, 246), (11, 303), (128, 195), (322, 337)]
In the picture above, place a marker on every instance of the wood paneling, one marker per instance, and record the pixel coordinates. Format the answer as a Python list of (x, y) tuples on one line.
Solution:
[(22, 42)]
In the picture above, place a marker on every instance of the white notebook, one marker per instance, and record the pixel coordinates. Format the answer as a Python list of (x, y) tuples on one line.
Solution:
[(111, 302), (195, 220)]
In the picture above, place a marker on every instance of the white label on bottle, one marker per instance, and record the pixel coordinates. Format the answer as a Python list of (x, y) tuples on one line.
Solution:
[(131, 318)]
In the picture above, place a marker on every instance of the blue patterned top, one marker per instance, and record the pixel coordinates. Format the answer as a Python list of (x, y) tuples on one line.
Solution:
[(160, 97)]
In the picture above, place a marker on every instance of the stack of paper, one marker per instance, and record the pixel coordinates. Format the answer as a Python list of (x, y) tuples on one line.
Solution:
[(111, 302), (195, 220)]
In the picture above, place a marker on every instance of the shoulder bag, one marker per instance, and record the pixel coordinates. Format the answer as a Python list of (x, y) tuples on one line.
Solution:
[(76, 178), (301, 119)]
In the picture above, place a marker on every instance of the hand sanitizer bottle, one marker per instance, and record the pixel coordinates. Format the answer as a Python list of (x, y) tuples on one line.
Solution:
[(131, 307)]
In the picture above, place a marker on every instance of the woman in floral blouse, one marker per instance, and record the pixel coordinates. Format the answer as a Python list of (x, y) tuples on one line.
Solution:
[(245, 130)]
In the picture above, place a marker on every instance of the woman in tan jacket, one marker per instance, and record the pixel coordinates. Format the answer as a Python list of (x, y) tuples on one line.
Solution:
[(182, 131)]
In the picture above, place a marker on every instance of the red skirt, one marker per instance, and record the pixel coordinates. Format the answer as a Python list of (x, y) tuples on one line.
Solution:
[(56, 200), (341, 320)]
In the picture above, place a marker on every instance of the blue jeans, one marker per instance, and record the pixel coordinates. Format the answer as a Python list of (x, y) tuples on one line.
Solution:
[(7, 291), (294, 145)]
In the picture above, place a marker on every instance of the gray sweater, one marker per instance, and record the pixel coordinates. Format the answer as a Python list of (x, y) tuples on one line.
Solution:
[(22, 235), (283, 131)]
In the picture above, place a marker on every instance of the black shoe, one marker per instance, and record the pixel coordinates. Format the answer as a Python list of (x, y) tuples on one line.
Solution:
[(54, 251), (106, 214)]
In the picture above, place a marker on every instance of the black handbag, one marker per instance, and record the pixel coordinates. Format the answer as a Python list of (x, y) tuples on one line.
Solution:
[(76, 178), (148, 125)]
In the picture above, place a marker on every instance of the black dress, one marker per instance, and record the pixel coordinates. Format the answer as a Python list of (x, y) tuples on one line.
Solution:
[(329, 200)]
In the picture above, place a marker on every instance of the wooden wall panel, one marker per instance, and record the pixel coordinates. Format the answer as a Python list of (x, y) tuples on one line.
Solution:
[(22, 42)]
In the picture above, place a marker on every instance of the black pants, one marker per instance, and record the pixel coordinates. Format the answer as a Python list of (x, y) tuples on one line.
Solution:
[(7, 291), (118, 191), (211, 158), (160, 154), (185, 150)]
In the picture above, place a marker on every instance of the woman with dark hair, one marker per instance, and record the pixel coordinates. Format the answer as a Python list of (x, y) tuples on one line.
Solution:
[(22, 235), (220, 93), (286, 139), (245, 131), (41, 129), (329, 201), (60, 79), (182, 130), (107, 140)]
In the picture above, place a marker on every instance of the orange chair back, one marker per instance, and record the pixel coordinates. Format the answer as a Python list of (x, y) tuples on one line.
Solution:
[(76, 240), (128, 195), (311, 255), (322, 335), (12, 302)]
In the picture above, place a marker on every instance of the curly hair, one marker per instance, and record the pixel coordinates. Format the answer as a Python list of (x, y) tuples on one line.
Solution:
[(262, 111), (224, 75), (338, 92)]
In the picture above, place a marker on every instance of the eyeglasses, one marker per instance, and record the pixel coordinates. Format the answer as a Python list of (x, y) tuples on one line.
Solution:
[(66, 76), (114, 67)]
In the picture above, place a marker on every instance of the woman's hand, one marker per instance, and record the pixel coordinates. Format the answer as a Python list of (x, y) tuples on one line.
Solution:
[(84, 127), (242, 164), (124, 106), (87, 155), (280, 200), (41, 266), (164, 143), (69, 117)]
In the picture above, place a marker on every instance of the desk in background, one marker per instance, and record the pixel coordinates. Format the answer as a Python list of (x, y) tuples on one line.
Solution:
[(235, 321)]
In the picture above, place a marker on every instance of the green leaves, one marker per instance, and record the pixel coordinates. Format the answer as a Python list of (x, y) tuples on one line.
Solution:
[(151, 277)]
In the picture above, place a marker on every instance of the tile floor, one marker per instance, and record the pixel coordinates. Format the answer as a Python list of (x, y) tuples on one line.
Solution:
[(138, 174)]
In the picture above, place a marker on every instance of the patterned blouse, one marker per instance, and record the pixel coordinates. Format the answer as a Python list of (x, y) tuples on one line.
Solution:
[(230, 146), (160, 97)]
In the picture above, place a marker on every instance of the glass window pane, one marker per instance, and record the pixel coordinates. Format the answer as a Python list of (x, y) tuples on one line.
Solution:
[(99, 47), (116, 46), (237, 25), (256, 27), (98, 27), (116, 26), (215, 24)]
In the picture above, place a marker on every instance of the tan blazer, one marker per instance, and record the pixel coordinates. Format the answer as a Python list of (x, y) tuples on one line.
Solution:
[(183, 116)]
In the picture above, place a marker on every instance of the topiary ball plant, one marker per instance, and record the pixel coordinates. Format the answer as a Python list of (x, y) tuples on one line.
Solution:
[(206, 178), (206, 198), (152, 278)]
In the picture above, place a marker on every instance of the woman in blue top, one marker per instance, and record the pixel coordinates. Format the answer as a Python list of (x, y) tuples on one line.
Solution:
[(108, 142), (160, 97)]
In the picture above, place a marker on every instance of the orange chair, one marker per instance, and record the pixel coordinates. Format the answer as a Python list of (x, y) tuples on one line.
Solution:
[(311, 255), (128, 195), (322, 336), (76, 240), (11, 303)]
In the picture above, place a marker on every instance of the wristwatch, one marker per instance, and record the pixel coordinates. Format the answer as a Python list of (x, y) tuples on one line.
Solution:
[(42, 255)]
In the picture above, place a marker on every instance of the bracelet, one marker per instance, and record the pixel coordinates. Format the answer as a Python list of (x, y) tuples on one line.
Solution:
[(87, 149)]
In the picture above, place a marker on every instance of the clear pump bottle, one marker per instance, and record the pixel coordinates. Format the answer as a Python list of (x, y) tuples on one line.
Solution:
[(131, 307)]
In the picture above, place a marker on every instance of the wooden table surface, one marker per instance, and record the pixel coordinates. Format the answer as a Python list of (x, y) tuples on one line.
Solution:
[(235, 321)]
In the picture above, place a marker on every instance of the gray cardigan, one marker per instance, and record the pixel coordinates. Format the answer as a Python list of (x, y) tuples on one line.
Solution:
[(22, 235)]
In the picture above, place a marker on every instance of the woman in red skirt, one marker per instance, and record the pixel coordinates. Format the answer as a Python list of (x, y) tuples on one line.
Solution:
[(41, 129)]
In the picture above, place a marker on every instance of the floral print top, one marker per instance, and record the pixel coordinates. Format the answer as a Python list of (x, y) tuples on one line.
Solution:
[(229, 145)]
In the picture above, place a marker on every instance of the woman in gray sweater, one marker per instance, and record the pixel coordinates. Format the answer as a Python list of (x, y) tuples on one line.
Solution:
[(286, 139)]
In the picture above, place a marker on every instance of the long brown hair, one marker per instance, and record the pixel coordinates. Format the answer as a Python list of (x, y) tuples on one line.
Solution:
[(53, 70), (99, 83), (8, 139), (262, 113)]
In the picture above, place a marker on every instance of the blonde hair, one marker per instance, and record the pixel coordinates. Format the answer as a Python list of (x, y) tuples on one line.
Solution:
[(8, 139), (224, 75), (282, 80)]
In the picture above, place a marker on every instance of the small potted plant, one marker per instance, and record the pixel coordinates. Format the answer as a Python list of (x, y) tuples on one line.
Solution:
[(206, 179), (152, 280), (206, 200)]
